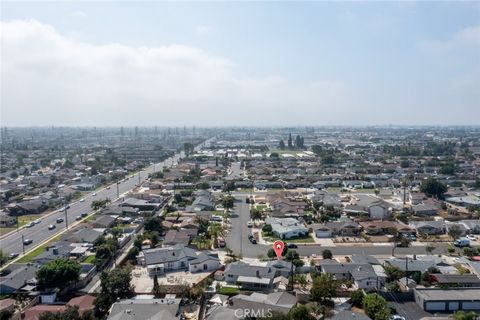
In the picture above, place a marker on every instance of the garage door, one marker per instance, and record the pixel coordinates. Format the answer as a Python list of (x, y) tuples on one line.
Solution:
[(453, 306), (435, 306), (471, 306)]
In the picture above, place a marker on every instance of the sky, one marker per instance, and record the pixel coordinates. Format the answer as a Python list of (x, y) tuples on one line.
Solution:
[(101, 63)]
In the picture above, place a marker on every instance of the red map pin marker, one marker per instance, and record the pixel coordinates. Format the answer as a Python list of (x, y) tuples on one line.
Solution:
[(278, 248)]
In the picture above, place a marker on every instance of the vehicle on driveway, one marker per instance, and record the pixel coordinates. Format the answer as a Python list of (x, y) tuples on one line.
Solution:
[(252, 239), (221, 242), (51, 227), (471, 237), (27, 241)]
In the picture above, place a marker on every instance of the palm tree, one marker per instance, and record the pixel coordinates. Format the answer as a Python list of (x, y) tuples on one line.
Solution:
[(201, 242), (215, 231)]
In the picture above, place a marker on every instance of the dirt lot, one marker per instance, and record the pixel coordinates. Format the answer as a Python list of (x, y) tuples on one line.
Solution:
[(143, 283)]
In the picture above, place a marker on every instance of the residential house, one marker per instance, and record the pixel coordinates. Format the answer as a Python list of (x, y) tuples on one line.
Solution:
[(287, 228), (255, 277), (363, 274), (6, 220), (425, 209), (456, 280), (18, 277), (343, 228), (473, 226), (379, 227), (261, 303), (162, 260), (174, 237), (429, 227), (164, 309)]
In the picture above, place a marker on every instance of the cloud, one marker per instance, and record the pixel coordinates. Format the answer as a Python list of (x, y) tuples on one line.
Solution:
[(51, 79), (465, 39)]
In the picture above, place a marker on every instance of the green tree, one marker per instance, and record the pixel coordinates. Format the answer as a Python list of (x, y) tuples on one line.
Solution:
[(156, 287), (393, 272), (153, 224), (462, 315), (58, 273), (327, 254), (300, 312), (114, 284), (454, 231), (267, 228), (429, 248), (357, 298), (433, 187), (228, 202), (376, 307), (324, 288)]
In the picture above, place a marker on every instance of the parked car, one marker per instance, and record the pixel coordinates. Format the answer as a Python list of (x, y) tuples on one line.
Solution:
[(108, 188), (78, 218), (51, 227), (37, 221), (83, 215), (221, 242), (27, 242), (13, 255), (249, 224), (462, 242), (30, 224), (252, 239), (471, 237), (82, 200), (292, 246), (94, 194), (59, 220), (396, 317)]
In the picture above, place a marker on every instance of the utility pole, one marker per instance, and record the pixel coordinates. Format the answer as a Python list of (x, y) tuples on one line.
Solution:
[(65, 211), (139, 178), (23, 244), (118, 193)]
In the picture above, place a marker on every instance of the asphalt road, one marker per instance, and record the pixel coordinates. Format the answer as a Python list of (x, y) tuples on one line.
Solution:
[(237, 240), (39, 232)]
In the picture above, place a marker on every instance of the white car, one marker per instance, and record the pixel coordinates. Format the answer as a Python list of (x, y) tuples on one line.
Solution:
[(37, 221), (249, 224), (81, 200), (30, 224), (94, 194), (396, 317), (471, 237)]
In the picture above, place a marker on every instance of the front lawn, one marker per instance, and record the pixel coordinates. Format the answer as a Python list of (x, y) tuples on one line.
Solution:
[(89, 259), (228, 291), (33, 254), (305, 239)]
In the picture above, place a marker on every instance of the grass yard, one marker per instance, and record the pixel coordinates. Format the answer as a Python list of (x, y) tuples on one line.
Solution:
[(89, 259), (261, 207), (229, 291), (307, 239)]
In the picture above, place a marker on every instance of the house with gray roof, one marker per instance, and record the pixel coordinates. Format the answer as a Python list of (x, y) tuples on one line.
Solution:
[(429, 227), (260, 303), (255, 277), (153, 309), (19, 276), (162, 260), (287, 228)]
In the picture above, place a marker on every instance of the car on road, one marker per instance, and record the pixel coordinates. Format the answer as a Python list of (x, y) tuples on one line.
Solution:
[(108, 188), (37, 221), (252, 239), (94, 194), (396, 317), (292, 246), (83, 215), (30, 224), (221, 242), (471, 237), (13, 255), (51, 227), (249, 224), (462, 242), (59, 220), (27, 242), (82, 200), (78, 218)]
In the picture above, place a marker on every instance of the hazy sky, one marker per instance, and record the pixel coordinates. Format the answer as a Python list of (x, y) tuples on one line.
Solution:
[(194, 63)]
